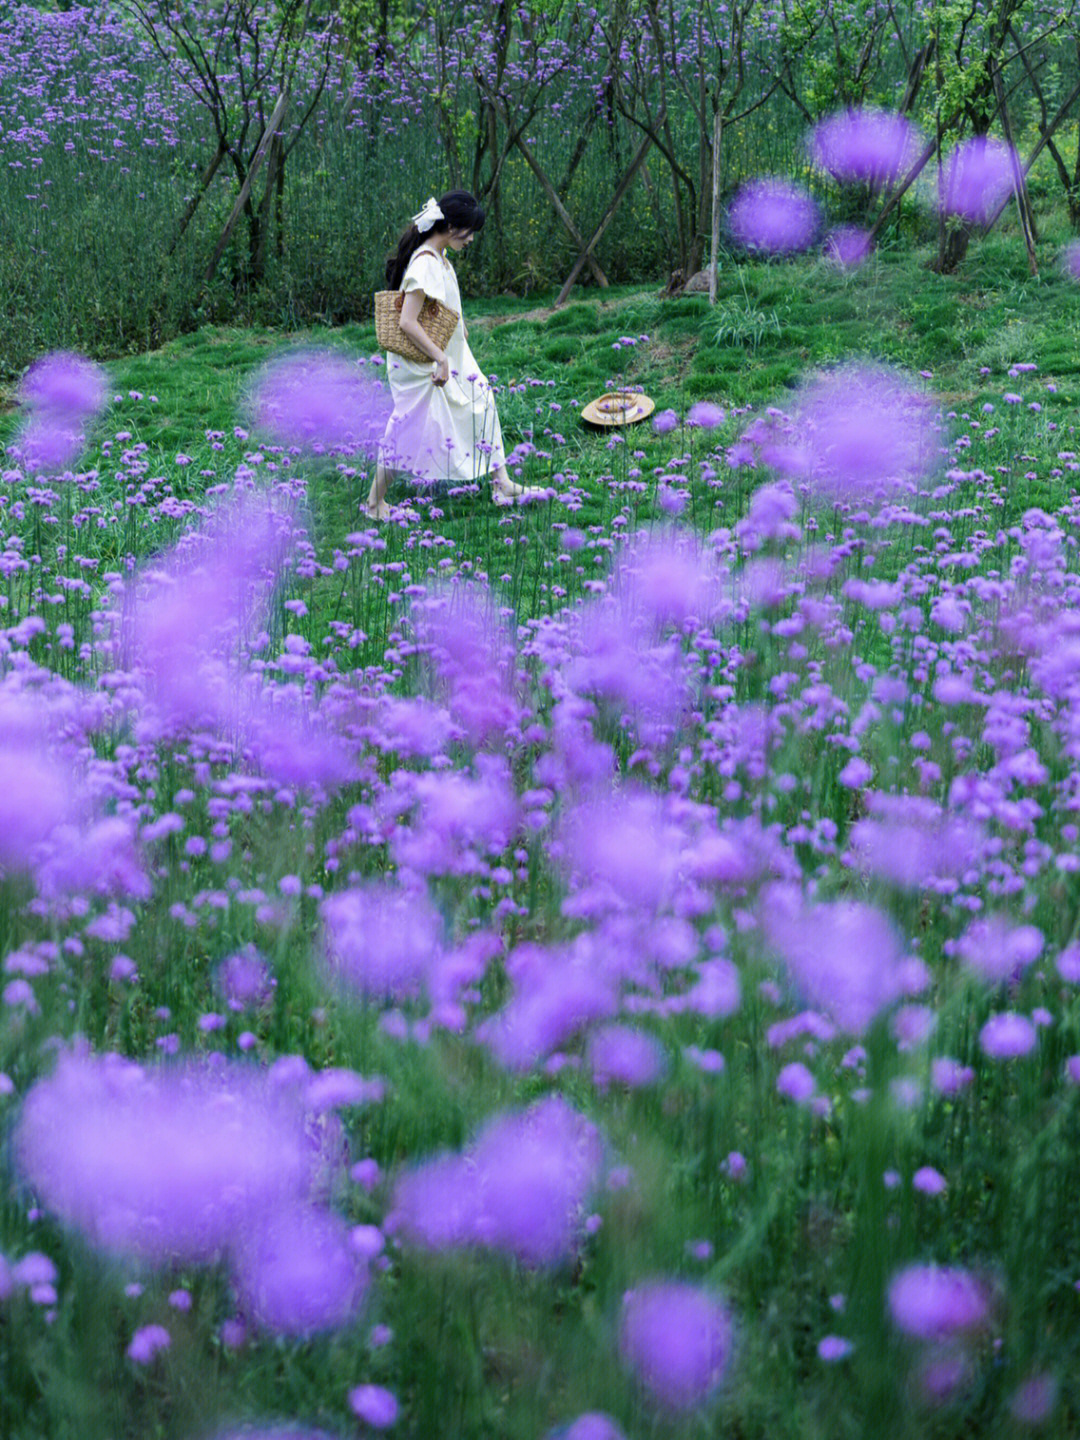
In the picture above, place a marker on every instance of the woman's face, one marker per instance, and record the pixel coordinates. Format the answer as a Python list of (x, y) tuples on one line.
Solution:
[(460, 238)]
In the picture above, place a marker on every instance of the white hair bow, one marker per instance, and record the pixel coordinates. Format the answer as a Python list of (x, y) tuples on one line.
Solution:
[(428, 215)]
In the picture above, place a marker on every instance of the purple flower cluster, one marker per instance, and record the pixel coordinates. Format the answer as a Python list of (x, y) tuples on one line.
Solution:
[(63, 394), (520, 1188), (775, 217), (187, 1164), (864, 147)]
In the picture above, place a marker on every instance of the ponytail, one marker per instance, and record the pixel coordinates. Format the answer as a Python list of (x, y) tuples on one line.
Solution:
[(398, 260)]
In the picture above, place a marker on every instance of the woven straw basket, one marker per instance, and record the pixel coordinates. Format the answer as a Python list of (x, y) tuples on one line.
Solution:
[(437, 321)]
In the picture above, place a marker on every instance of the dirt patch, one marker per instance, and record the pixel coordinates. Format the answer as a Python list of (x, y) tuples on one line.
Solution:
[(590, 297), (490, 322)]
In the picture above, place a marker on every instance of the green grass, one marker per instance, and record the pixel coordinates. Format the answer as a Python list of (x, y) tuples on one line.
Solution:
[(484, 1348)]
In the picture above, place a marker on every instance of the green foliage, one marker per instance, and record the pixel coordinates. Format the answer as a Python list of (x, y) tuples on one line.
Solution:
[(739, 323), (484, 1349)]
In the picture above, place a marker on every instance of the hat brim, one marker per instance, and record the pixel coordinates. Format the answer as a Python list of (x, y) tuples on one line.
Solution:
[(618, 408)]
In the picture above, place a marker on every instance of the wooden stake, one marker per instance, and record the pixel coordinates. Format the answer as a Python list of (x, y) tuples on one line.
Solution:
[(714, 253), (562, 212), (245, 190), (609, 213), (1023, 206)]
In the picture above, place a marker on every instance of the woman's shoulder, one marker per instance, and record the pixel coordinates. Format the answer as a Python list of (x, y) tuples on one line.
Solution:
[(425, 259)]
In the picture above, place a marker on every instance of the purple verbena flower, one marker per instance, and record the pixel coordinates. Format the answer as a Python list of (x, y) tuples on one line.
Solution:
[(774, 216), (931, 1302), (677, 1339), (320, 400), (978, 175), (864, 147)]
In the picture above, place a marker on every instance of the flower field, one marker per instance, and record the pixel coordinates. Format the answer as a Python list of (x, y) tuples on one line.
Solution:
[(607, 967)]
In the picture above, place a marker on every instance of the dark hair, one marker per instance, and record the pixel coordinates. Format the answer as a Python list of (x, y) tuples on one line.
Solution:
[(461, 211)]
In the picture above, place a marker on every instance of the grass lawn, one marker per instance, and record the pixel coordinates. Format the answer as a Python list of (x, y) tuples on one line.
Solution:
[(686, 859)]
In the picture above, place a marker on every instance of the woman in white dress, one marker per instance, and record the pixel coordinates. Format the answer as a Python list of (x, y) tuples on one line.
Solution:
[(445, 426)]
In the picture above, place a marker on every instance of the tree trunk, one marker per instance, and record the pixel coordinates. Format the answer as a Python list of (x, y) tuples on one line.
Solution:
[(714, 250), (952, 247), (196, 199)]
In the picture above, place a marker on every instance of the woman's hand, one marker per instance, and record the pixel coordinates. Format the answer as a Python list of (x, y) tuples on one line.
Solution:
[(440, 372)]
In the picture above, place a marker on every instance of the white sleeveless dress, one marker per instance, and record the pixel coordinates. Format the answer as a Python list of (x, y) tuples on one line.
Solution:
[(450, 432)]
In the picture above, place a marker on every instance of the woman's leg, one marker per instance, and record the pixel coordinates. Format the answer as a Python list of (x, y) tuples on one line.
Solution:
[(504, 489), (376, 507)]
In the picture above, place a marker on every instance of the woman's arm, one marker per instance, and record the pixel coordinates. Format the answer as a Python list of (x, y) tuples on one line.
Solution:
[(410, 326)]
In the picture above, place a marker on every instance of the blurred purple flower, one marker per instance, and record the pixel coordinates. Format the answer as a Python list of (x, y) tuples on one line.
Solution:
[(857, 429), (519, 1189), (949, 1077), (620, 1055), (245, 980), (931, 1302), (148, 1342), (592, 1426), (848, 246), (187, 618), (864, 147), (796, 1082), (666, 578), (1034, 1399), (459, 820), (774, 216), (976, 178), (1008, 1036), (469, 651), (63, 393), (844, 956), (929, 1181), (38, 787), (624, 844), (677, 1338), (1069, 259), (102, 858), (381, 941), (320, 400), (832, 1348), (909, 841), (943, 1372), (374, 1405), (997, 950), (298, 1273), (705, 415), (65, 384), (169, 1164), (664, 421), (557, 992)]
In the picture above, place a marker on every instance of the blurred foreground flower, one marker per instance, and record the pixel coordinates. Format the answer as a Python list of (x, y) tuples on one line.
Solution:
[(519, 1189), (864, 147), (978, 175), (298, 1274), (937, 1303), (320, 401), (592, 1426), (848, 246), (774, 216), (1069, 259), (38, 789), (188, 618), (850, 433), (382, 941), (171, 1164), (845, 957), (677, 1338), (63, 393), (375, 1405)]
